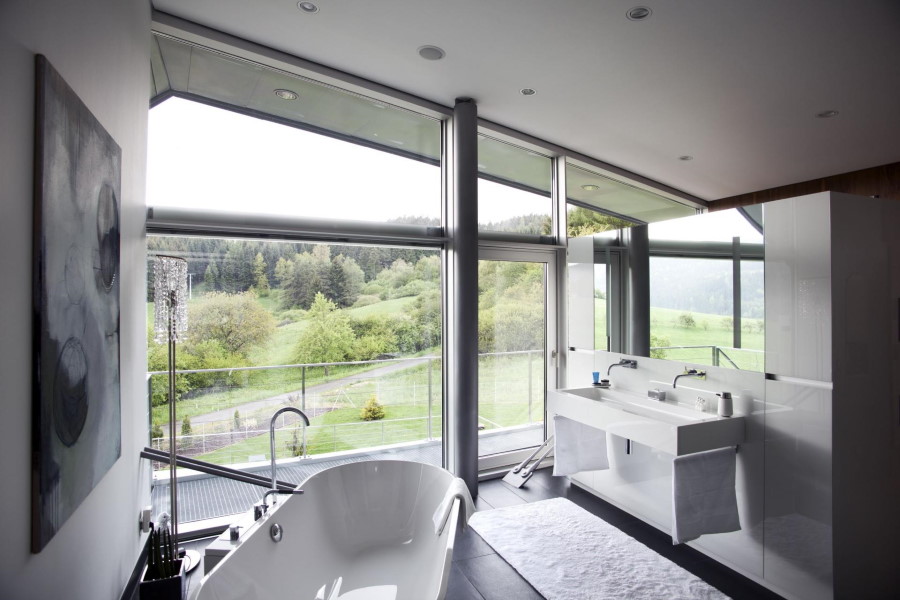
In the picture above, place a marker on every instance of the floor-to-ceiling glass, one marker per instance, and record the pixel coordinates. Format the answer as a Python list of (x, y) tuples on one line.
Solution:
[(512, 342)]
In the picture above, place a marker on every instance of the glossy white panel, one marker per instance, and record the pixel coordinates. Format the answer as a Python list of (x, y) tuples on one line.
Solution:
[(798, 529), (580, 293), (367, 524), (798, 287)]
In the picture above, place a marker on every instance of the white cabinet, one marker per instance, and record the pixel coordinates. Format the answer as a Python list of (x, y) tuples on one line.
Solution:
[(832, 457)]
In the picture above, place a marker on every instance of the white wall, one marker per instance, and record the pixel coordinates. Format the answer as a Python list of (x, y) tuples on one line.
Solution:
[(101, 48)]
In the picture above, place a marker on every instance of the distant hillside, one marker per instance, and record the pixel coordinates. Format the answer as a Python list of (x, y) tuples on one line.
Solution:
[(704, 286)]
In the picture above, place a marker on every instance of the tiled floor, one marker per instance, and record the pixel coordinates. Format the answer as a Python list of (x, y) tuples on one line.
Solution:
[(479, 573)]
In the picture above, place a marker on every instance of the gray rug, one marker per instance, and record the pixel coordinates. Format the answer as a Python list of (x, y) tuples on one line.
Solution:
[(566, 553)]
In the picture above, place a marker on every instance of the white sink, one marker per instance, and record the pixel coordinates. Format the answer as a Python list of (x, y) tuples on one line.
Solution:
[(665, 426)]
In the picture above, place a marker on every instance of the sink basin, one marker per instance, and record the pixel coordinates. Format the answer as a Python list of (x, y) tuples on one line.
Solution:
[(665, 426)]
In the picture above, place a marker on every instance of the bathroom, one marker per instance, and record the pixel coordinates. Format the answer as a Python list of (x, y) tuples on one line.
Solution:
[(103, 50)]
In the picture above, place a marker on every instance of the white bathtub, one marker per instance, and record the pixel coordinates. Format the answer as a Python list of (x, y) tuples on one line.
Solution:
[(360, 531)]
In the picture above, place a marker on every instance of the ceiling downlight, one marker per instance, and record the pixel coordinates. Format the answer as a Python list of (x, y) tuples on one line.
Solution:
[(285, 94), (308, 7), (827, 114), (638, 13), (431, 52)]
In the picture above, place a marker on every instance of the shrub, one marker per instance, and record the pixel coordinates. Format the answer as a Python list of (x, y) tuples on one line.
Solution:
[(186, 426), (156, 432), (366, 300), (372, 411), (686, 320)]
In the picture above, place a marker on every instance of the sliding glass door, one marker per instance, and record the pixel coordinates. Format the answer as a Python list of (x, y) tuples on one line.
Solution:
[(516, 312)]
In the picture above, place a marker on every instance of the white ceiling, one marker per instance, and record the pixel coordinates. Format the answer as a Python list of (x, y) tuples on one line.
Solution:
[(734, 83)]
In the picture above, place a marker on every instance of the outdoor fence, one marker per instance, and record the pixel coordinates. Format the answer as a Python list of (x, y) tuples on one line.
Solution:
[(716, 356), (512, 394)]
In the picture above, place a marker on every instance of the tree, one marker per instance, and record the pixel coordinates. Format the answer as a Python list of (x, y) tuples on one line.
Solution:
[(237, 321), (211, 277), (186, 429), (328, 337), (260, 275), (583, 221)]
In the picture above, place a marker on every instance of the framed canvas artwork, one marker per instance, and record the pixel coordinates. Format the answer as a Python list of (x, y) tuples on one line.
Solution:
[(76, 422)]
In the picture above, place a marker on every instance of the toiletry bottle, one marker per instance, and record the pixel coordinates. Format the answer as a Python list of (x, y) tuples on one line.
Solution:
[(726, 408)]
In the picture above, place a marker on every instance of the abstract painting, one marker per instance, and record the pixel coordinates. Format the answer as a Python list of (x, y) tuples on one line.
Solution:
[(76, 421)]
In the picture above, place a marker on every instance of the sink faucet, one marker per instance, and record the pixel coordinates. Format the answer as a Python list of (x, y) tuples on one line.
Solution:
[(689, 373), (628, 363), (272, 434)]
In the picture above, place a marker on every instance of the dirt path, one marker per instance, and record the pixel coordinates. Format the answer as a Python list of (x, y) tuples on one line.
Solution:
[(279, 400)]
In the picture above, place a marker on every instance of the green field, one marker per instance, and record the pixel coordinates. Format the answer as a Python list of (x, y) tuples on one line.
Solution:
[(708, 330)]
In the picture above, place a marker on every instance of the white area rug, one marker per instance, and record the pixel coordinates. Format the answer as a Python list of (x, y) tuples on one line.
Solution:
[(566, 553)]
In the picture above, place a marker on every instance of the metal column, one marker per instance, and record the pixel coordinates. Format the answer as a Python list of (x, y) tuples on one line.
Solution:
[(462, 269), (638, 291)]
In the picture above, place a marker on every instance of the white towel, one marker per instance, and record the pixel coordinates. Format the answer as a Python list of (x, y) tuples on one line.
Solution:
[(704, 500), (457, 489), (578, 447)]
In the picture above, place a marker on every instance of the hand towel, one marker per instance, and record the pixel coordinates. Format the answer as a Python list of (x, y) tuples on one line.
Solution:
[(704, 500), (457, 489), (578, 447)]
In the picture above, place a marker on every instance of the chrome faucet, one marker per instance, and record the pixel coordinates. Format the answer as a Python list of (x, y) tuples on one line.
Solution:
[(689, 373), (277, 414), (628, 363)]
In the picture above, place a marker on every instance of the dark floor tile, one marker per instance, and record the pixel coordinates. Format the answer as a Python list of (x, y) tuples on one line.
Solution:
[(496, 580), (460, 588), (482, 504), (497, 494), (469, 544), (558, 485)]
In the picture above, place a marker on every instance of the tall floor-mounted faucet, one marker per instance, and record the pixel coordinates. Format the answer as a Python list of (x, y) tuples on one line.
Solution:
[(272, 434)]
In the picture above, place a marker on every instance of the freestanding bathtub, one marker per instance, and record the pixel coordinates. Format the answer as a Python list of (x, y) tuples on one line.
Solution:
[(360, 531)]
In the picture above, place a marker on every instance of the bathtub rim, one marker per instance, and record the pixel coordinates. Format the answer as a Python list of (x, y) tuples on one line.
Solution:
[(450, 528)]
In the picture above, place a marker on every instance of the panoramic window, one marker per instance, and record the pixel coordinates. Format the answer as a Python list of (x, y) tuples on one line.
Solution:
[(513, 189), (351, 335), (207, 158)]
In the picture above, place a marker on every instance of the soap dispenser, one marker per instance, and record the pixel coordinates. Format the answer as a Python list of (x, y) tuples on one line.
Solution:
[(726, 408)]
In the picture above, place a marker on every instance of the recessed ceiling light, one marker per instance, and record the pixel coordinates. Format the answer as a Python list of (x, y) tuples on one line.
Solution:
[(286, 94), (827, 114), (686, 157), (639, 13), (308, 7), (431, 52), (590, 187), (527, 92)]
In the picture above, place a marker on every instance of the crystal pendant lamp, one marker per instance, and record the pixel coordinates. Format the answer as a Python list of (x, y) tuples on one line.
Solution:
[(170, 323)]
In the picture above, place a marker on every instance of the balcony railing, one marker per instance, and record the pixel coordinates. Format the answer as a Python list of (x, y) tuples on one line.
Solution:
[(229, 423)]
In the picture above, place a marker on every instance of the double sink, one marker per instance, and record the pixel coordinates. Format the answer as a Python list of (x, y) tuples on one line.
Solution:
[(665, 426)]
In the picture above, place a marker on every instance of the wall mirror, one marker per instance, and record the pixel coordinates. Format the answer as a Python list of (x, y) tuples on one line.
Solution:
[(706, 290)]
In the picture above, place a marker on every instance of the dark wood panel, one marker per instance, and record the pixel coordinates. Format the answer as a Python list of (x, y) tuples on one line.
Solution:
[(883, 181)]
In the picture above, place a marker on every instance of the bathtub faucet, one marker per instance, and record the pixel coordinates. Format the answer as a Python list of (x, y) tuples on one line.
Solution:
[(272, 435)]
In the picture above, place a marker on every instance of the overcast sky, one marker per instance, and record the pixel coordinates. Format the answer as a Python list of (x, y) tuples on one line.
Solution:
[(203, 157), (200, 156)]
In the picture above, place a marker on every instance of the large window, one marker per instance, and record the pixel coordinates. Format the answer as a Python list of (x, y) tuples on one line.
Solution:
[(512, 326), (513, 189), (351, 335)]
